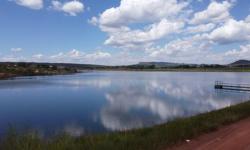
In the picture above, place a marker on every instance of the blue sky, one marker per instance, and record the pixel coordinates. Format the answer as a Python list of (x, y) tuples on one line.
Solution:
[(124, 31)]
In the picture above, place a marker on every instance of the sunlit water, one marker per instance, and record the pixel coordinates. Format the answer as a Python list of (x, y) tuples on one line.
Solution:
[(97, 102)]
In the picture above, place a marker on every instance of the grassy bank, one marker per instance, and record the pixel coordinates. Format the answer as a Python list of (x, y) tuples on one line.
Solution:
[(157, 137)]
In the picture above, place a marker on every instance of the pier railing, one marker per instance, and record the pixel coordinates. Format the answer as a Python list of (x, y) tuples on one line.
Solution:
[(231, 86)]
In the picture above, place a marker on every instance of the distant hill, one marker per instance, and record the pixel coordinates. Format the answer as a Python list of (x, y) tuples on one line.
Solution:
[(160, 64), (240, 63)]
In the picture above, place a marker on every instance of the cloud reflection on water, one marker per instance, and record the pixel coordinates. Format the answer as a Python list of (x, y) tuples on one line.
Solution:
[(97, 102), (135, 106)]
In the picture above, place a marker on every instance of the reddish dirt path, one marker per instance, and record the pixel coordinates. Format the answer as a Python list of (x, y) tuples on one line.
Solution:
[(232, 137)]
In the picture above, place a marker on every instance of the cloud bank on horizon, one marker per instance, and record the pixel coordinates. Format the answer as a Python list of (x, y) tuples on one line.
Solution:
[(189, 31)]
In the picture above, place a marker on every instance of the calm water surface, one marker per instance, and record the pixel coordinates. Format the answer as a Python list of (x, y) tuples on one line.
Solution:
[(97, 102)]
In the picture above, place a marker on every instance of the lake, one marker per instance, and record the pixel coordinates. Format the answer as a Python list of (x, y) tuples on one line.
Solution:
[(105, 101)]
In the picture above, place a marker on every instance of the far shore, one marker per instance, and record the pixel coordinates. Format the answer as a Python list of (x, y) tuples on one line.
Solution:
[(181, 70), (11, 70), (16, 69), (8, 75)]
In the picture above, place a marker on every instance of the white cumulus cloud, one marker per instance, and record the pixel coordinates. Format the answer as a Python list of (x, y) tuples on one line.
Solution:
[(71, 7), (186, 47), (134, 11), (200, 28), (232, 31), (80, 57), (32, 4), (215, 12), (242, 53), (160, 18), (16, 49), (153, 32), (37, 56), (98, 55)]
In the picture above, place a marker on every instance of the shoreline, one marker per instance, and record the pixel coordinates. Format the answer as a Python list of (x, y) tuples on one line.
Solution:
[(5, 76), (177, 70), (157, 137), (9, 75)]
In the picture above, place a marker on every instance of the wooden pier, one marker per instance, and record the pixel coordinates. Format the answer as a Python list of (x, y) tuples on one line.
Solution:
[(230, 86)]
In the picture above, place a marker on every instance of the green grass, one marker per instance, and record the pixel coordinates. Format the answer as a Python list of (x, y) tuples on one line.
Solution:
[(157, 137)]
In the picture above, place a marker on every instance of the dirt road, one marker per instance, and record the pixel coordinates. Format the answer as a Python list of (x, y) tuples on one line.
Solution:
[(232, 137)]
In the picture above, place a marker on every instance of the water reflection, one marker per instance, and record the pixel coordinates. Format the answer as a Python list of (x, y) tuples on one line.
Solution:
[(108, 101), (161, 101), (73, 130)]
